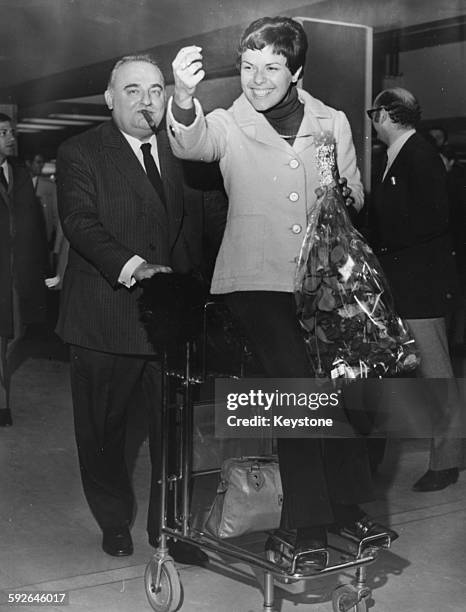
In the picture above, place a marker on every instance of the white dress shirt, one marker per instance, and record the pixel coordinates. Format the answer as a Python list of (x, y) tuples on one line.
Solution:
[(5, 171), (135, 144)]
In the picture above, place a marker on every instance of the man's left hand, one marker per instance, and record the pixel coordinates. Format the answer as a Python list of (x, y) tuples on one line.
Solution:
[(147, 270)]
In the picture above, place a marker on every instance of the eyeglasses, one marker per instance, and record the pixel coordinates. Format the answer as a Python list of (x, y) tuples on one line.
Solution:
[(371, 111)]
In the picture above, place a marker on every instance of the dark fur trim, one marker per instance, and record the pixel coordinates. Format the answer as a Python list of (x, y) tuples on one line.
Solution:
[(171, 308)]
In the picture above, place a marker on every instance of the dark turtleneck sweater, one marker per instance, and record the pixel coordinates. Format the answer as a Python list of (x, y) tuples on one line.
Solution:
[(286, 116)]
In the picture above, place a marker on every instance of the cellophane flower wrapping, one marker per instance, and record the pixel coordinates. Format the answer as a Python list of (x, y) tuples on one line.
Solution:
[(344, 304)]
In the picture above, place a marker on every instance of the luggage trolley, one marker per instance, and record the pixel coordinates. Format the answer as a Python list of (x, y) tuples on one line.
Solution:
[(162, 581)]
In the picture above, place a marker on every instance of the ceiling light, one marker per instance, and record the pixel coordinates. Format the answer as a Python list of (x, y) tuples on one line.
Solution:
[(79, 116), (39, 126), (54, 121), (26, 129)]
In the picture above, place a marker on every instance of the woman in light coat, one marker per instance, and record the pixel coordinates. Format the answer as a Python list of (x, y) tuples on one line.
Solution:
[(264, 144)]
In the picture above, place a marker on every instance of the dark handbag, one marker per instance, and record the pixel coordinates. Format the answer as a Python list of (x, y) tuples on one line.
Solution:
[(249, 497)]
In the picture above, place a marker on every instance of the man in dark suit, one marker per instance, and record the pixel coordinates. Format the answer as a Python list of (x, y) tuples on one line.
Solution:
[(127, 216), (409, 220), (22, 259)]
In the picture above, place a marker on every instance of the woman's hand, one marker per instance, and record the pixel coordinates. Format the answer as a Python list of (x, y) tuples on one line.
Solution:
[(187, 73), (345, 191)]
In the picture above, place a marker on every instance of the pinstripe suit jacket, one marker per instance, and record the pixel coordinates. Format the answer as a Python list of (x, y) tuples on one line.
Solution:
[(110, 212)]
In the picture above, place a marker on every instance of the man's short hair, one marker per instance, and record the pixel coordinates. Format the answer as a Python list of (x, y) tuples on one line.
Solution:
[(401, 105), (4, 118), (286, 36), (142, 57)]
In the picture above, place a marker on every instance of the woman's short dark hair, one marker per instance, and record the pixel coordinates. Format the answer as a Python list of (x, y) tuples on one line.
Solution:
[(286, 36), (401, 105)]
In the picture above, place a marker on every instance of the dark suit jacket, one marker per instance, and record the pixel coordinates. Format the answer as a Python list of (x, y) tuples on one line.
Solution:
[(110, 212), (22, 252), (409, 222)]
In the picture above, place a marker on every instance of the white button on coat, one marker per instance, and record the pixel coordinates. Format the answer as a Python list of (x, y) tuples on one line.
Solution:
[(293, 197), (296, 228), (294, 163)]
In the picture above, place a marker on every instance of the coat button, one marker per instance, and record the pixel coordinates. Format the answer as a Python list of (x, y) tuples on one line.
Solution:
[(296, 228), (294, 163), (293, 197)]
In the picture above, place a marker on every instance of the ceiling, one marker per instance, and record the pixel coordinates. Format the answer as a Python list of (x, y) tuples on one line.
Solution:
[(55, 55)]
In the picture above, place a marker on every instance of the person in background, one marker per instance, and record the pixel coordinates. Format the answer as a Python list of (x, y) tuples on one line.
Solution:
[(22, 259), (46, 193), (264, 144), (61, 247), (438, 135), (410, 229), (57, 245), (128, 215), (456, 187)]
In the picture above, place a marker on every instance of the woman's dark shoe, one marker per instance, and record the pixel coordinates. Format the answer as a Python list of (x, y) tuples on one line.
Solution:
[(117, 542), (364, 527), (311, 546), (301, 551), (436, 480)]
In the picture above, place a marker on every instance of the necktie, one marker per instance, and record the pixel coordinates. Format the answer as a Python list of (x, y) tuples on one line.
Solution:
[(152, 171), (3, 180)]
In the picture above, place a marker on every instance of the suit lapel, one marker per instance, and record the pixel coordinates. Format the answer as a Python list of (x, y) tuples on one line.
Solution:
[(398, 164), (127, 164)]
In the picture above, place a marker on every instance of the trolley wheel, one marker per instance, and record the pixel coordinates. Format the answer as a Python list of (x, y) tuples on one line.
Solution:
[(345, 599), (167, 598)]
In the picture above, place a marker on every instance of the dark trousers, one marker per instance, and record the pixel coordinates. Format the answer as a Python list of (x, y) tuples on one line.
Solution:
[(317, 475), (103, 387)]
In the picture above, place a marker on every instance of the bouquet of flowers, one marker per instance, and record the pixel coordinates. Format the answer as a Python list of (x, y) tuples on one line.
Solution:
[(343, 301)]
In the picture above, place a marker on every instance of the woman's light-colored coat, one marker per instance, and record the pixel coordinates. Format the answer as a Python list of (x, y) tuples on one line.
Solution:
[(270, 185)]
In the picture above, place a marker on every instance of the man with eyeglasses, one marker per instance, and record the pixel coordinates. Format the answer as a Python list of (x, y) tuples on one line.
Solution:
[(409, 221), (22, 259)]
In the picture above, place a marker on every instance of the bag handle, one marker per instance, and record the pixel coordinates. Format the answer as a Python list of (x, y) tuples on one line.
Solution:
[(260, 458)]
